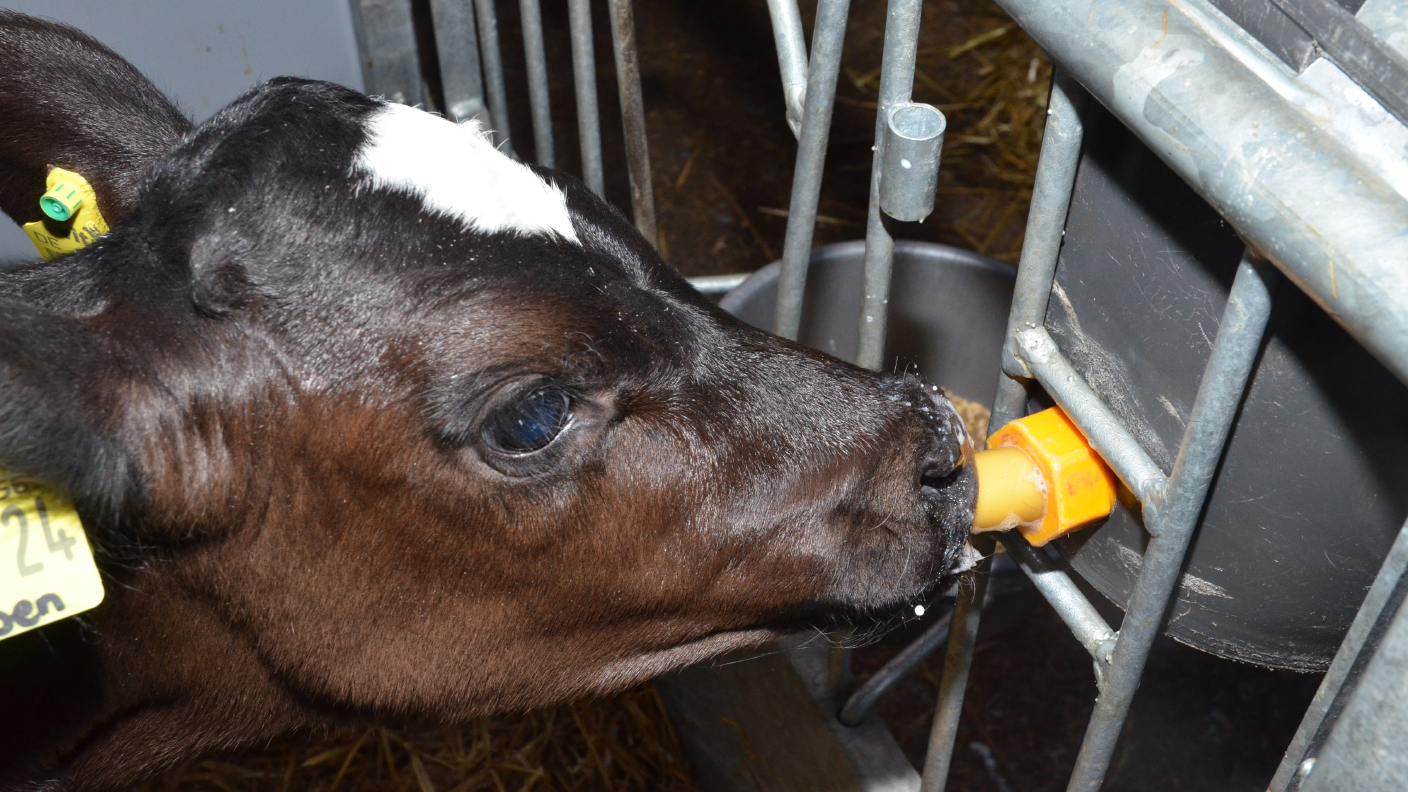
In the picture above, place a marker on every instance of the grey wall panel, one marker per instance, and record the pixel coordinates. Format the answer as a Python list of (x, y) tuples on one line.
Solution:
[(204, 54)]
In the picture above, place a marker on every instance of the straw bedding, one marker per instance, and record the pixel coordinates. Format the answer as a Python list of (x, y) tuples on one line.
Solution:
[(622, 744)]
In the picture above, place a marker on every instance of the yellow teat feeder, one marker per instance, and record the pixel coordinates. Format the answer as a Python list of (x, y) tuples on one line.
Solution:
[(1040, 476)]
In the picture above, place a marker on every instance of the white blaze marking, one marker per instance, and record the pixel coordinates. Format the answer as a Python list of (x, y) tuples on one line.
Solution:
[(456, 171)]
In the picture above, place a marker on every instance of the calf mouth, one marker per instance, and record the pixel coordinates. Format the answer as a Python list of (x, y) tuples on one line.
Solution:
[(946, 493)]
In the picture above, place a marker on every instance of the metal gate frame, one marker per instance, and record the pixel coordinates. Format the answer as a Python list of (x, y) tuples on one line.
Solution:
[(1330, 216), (471, 66), (1316, 199)]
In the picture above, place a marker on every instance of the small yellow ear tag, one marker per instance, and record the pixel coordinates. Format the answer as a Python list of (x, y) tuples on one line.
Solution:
[(47, 571), (72, 218)]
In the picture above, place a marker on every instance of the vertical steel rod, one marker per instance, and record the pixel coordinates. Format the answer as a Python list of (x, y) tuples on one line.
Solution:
[(1046, 221), (828, 34), (461, 76), (493, 72), (1176, 514), (896, 85), (958, 659), (584, 76), (791, 59), (537, 59), (623, 39), (1312, 727)]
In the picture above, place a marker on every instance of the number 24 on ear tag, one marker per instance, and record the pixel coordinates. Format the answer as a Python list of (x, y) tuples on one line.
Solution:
[(47, 571)]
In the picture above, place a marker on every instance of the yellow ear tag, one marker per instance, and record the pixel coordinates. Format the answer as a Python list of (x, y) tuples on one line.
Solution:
[(72, 219), (47, 571)]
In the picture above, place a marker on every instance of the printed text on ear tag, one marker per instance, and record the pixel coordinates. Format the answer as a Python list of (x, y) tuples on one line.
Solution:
[(46, 566)]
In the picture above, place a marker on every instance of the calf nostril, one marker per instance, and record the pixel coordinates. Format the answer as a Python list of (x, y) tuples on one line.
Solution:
[(937, 474)]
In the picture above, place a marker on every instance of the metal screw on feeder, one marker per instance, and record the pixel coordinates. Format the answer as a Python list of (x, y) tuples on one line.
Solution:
[(914, 139)]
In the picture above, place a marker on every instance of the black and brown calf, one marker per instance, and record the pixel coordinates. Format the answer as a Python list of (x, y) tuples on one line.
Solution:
[(367, 419)]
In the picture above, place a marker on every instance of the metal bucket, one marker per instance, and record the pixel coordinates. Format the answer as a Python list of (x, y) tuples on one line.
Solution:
[(948, 310)]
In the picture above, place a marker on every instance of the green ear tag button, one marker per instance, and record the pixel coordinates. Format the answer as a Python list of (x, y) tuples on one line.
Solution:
[(73, 220), (61, 201), (47, 571)]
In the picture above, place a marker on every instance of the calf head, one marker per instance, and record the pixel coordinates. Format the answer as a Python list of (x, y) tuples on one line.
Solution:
[(366, 417)]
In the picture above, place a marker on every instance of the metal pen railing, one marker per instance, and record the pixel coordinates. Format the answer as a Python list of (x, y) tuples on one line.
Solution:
[(1370, 294), (470, 57), (1170, 504)]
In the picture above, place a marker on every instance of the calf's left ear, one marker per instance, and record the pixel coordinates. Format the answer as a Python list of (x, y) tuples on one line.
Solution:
[(59, 385), (67, 101)]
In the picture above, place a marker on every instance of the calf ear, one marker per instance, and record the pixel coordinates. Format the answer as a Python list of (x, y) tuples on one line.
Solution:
[(59, 380), (67, 101)]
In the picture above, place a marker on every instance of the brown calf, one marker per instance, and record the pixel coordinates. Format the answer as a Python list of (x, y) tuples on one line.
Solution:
[(366, 419)]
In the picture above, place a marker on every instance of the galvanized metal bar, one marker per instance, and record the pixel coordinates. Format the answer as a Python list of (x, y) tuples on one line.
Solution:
[(828, 34), (791, 59), (1107, 435), (386, 40), (1009, 404), (896, 86), (1069, 602), (1362, 749), (958, 659), (1046, 219), (1176, 513), (579, 14), (493, 61), (536, 56), (457, 46), (623, 39), (1217, 112), (1342, 675)]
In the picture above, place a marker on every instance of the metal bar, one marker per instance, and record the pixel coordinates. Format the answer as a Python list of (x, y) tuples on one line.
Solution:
[(1176, 513), (1102, 428), (457, 45), (958, 659), (537, 60), (623, 39), (1010, 402), (386, 40), (828, 34), (1341, 676), (1325, 217), (791, 59), (1046, 220), (718, 284), (1362, 748), (579, 14), (1069, 602), (492, 56), (896, 85), (863, 700)]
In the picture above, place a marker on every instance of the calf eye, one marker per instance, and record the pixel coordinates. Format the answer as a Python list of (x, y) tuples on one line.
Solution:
[(530, 422)]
